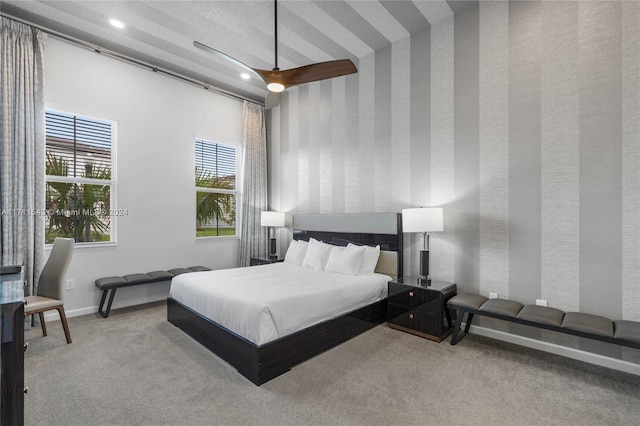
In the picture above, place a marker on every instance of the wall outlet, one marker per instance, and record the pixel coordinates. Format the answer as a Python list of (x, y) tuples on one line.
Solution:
[(493, 295), (541, 302), (70, 284)]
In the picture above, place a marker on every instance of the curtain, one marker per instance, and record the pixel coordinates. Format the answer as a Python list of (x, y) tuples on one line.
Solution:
[(22, 145), (253, 237)]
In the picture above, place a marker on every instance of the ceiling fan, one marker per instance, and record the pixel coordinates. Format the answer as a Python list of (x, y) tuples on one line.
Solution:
[(278, 80)]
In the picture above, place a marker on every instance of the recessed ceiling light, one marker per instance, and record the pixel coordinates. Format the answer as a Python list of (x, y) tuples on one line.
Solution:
[(116, 23), (245, 76)]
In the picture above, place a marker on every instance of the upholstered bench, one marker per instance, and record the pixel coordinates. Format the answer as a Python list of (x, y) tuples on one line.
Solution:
[(621, 332), (107, 284)]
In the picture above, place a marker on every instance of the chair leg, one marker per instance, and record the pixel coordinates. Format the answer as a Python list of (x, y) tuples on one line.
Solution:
[(42, 323), (65, 325)]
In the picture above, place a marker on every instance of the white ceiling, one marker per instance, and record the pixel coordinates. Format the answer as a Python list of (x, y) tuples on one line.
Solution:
[(161, 33)]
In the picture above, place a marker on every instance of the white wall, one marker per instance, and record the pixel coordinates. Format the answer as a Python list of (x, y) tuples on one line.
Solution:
[(158, 118)]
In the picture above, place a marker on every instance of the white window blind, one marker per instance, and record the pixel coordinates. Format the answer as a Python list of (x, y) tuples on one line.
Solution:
[(79, 180), (216, 191)]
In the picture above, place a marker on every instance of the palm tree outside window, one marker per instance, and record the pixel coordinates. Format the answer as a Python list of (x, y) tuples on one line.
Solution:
[(216, 189), (79, 181)]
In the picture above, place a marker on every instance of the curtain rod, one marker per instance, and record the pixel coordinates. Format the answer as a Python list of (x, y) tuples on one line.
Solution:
[(134, 61)]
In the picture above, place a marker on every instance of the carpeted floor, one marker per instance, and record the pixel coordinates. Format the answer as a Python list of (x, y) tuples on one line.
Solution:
[(135, 368)]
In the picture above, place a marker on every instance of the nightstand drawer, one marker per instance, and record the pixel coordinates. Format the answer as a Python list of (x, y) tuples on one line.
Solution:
[(415, 320), (410, 296)]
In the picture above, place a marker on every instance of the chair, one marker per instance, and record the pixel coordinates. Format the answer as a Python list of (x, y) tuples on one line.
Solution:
[(51, 285)]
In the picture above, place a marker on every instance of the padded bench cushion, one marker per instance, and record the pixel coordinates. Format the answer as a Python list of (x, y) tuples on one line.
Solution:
[(107, 283), (627, 330), (542, 315), (588, 323), (160, 275), (467, 300), (110, 282), (507, 308)]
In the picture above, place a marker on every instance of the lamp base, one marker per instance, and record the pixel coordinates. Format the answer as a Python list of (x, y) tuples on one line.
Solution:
[(424, 281), (424, 278), (272, 250)]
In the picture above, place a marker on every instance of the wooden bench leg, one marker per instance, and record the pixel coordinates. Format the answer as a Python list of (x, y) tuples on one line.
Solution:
[(65, 325), (457, 336), (105, 314), (468, 324), (42, 323), (456, 327)]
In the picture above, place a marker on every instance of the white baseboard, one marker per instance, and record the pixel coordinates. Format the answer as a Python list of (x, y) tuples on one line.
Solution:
[(53, 315), (603, 361)]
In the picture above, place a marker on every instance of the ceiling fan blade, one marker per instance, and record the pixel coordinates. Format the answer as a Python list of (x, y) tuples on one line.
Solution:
[(309, 73), (225, 57), (272, 100)]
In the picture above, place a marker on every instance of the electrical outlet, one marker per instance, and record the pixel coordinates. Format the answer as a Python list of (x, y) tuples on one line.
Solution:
[(70, 284), (493, 295), (541, 302)]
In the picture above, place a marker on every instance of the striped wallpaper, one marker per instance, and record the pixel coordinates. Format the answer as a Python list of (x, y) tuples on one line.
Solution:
[(521, 119)]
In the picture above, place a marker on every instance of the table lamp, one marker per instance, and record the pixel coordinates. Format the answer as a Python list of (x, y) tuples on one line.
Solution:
[(423, 220), (272, 220)]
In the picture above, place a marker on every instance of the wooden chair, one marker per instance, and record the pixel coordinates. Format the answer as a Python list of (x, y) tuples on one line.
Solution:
[(50, 292)]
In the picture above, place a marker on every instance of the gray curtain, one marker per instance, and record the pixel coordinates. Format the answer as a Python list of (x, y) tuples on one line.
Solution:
[(22, 146), (253, 237)]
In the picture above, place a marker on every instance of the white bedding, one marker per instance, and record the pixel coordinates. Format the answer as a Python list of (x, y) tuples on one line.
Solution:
[(266, 302)]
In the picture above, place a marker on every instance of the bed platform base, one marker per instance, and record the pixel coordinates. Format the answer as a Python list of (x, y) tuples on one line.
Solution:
[(263, 363)]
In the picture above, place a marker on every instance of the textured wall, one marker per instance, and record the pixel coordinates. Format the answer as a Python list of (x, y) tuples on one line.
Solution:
[(522, 119)]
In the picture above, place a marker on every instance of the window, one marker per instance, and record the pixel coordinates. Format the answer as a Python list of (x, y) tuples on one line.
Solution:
[(215, 189), (79, 181)]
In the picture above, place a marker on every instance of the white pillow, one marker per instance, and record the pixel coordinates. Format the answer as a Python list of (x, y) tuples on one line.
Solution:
[(317, 255), (345, 260), (296, 252), (369, 259)]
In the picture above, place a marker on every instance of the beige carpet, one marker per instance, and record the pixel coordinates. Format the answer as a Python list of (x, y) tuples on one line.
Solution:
[(135, 368)]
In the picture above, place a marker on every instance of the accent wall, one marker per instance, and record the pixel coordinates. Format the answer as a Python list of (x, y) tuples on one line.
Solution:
[(522, 120)]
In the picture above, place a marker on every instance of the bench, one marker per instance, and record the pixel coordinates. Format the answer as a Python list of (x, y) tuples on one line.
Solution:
[(107, 284), (621, 332)]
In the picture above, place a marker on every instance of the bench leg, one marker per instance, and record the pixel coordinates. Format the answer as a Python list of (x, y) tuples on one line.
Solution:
[(468, 324), (457, 336), (456, 327), (447, 314), (105, 314)]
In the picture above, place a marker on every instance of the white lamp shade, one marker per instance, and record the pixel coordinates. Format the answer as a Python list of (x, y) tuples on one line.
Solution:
[(426, 219), (273, 219)]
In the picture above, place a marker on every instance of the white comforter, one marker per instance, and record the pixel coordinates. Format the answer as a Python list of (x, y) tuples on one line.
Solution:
[(263, 303)]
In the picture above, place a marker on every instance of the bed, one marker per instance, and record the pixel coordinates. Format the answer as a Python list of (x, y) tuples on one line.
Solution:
[(289, 313)]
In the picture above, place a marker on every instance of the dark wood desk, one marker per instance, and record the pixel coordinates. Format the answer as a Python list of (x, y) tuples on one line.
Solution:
[(10, 273), (13, 347)]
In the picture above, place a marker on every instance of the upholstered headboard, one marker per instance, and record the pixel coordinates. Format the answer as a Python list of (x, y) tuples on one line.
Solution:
[(372, 229)]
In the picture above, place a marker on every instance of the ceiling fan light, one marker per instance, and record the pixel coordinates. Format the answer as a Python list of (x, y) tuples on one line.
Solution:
[(275, 87)]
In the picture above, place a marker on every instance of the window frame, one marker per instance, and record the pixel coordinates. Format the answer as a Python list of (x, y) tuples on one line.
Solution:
[(236, 191), (76, 180)]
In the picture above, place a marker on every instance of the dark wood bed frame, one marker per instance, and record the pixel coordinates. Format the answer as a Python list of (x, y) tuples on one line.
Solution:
[(262, 363)]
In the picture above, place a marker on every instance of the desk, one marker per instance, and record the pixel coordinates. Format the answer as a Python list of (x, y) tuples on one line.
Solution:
[(10, 273), (13, 347)]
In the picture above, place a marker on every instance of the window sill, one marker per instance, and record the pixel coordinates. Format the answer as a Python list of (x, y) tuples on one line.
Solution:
[(221, 238), (83, 246)]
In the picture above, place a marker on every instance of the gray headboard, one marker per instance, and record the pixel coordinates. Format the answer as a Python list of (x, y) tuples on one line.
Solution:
[(383, 229)]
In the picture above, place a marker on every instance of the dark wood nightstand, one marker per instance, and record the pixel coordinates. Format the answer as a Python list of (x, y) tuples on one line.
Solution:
[(420, 309), (257, 261)]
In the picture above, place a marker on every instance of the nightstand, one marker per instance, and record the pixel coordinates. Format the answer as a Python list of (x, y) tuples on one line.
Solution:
[(258, 261), (420, 309)]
